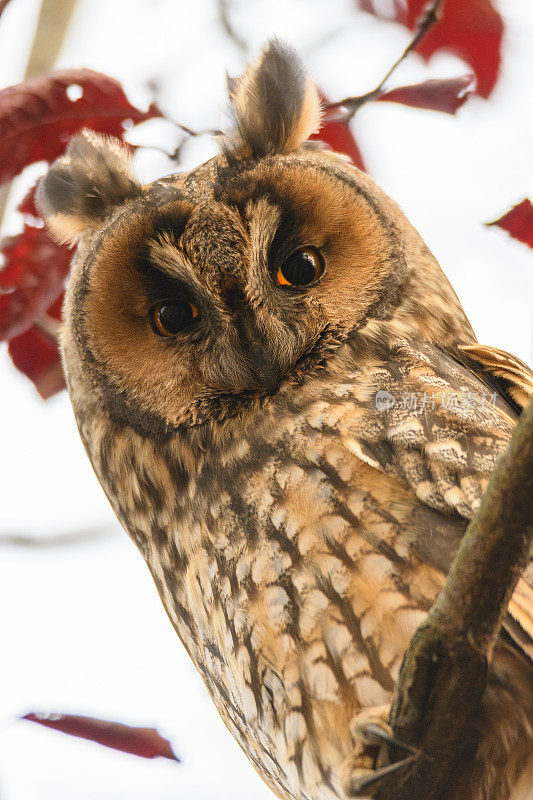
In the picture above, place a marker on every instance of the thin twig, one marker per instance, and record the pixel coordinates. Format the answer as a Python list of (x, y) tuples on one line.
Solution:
[(231, 33), (56, 540), (353, 104), (189, 133), (153, 86)]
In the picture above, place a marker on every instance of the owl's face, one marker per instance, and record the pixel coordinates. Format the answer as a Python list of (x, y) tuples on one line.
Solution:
[(203, 294)]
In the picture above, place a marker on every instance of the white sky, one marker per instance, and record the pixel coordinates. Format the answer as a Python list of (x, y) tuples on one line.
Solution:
[(82, 629)]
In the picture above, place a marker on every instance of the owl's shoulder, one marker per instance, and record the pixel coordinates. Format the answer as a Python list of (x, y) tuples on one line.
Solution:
[(437, 419)]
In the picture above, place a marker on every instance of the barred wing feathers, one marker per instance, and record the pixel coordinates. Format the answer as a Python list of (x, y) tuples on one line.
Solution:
[(441, 427)]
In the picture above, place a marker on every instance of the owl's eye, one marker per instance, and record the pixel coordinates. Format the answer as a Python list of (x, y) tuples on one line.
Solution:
[(169, 317), (301, 268)]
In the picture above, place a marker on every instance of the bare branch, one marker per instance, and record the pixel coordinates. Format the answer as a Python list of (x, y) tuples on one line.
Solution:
[(56, 540), (231, 33), (353, 104), (444, 671), (188, 134)]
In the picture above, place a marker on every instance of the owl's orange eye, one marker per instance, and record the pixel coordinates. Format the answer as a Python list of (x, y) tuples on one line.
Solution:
[(301, 268), (171, 316)]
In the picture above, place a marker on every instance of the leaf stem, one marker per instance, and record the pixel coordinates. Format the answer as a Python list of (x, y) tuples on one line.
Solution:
[(429, 18)]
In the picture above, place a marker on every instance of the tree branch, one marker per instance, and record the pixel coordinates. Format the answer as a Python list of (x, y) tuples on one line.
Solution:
[(227, 25), (443, 675), (188, 134), (81, 536), (352, 104)]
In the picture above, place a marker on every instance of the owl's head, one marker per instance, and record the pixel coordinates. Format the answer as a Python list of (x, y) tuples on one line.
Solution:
[(201, 294)]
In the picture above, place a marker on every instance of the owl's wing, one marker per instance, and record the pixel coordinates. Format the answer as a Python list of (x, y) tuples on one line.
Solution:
[(439, 421), (514, 379), (513, 376)]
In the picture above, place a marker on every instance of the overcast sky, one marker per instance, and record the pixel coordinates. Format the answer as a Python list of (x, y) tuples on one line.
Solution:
[(82, 629)]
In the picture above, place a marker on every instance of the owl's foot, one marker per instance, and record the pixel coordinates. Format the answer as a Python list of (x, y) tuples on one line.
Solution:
[(370, 730)]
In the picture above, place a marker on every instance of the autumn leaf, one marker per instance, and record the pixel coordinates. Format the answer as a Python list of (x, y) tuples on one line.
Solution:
[(447, 95), (338, 136), (32, 279), (35, 353), (28, 207), (143, 742), (472, 29), (38, 116), (37, 119), (31, 297), (518, 222)]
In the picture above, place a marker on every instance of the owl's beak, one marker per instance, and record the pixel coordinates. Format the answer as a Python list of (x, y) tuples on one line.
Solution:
[(267, 374), (264, 370)]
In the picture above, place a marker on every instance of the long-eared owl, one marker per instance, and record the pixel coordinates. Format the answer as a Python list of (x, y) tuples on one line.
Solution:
[(287, 408)]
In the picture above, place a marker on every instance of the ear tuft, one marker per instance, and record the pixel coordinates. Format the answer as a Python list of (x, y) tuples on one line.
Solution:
[(275, 105), (82, 186)]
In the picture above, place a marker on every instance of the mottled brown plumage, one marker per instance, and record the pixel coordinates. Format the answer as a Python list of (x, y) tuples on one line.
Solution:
[(297, 463)]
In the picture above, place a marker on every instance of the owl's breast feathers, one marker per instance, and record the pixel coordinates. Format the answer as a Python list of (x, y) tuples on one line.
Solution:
[(297, 549)]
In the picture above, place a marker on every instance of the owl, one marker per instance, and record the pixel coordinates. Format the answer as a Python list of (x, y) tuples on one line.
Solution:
[(287, 408)]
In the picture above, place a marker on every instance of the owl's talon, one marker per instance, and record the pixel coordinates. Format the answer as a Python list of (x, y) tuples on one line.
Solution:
[(371, 728), (373, 733), (361, 782)]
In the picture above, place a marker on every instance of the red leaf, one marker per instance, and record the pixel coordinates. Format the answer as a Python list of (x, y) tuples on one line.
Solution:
[(338, 136), (472, 29), (36, 354), (27, 204), (32, 278), (31, 294), (518, 222), (446, 95), (37, 117), (144, 742)]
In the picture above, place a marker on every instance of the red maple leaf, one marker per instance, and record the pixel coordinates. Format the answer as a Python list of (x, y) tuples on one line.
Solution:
[(518, 222), (472, 29), (31, 297), (447, 95), (38, 117), (338, 136), (36, 354), (143, 742), (31, 280)]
